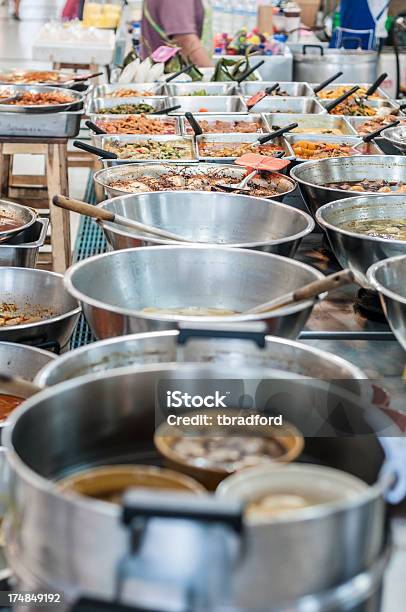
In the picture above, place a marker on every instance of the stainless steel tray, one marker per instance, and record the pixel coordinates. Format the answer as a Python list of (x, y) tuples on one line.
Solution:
[(45, 125), (22, 250), (13, 90), (95, 105), (213, 104), (292, 88), (310, 122), (245, 138), (184, 124), (177, 122), (107, 90), (212, 89), (124, 138), (276, 104), (356, 122), (392, 109), (371, 147), (381, 92)]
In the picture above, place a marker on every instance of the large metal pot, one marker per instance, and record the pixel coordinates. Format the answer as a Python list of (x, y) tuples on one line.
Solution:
[(359, 251), (388, 277), (74, 544), (214, 218), (278, 354), (312, 176), (23, 361), (21, 215), (358, 66), (114, 288)]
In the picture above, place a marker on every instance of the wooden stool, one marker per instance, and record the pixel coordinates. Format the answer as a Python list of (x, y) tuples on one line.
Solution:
[(38, 191)]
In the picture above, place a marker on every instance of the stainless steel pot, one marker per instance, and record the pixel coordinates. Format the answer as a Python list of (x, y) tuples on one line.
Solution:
[(278, 354), (23, 361), (214, 218), (39, 289), (359, 251), (114, 288), (388, 277), (358, 66), (57, 540), (312, 176), (16, 212)]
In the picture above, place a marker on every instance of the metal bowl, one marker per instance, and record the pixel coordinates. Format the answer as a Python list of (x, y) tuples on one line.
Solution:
[(388, 277), (359, 251), (114, 288), (24, 215), (396, 136), (107, 176), (23, 361), (279, 354), (12, 90), (212, 218), (39, 289), (312, 176)]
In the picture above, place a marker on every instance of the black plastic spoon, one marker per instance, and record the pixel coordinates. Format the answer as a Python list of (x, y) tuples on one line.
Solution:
[(95, 128), (248, 72), (376, 84), (195, 125), (276, 134), (327, 82), (262, 94), (329, 107), (176, 74), (95, 150), (165, 111), (376, 133)]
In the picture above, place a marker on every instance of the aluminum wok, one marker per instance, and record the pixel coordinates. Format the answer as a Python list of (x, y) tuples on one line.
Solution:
[(212, 218), (116, 287), (312, 176), (25, 216)]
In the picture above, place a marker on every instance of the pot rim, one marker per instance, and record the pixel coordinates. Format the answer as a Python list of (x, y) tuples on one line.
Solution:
[(371, 274), (83, 298)]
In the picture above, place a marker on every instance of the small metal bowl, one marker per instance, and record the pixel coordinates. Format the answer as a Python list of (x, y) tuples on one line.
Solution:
[(16, 212)]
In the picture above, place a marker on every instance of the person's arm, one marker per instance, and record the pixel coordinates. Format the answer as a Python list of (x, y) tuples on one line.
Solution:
[(193, 49)]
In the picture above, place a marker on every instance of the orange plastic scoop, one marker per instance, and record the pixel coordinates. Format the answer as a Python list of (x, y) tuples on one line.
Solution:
[(262, 162)]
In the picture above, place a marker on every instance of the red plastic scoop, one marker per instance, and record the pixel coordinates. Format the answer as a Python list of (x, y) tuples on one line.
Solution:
[(262, 162)]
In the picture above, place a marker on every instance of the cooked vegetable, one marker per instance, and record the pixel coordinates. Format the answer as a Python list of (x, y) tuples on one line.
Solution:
[(151, 149), (309, 149), (332, 93), (235, 149), (374, 124), (28, 98), (128, 109)]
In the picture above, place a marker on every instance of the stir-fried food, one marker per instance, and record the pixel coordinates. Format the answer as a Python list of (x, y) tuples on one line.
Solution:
[(28, 98), (11, 314), (332, 93), (227, 127), (375, 185), (8, 223), (151, 149), (360, 108), (130, 93), (128, 109), (392, 229), (29, 77), (236, 149), (264, 185), (374, 124), (309, 149), (138, 124)]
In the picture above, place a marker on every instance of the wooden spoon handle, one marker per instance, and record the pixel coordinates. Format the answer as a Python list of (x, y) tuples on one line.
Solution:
[(83, 208), (334, 281)]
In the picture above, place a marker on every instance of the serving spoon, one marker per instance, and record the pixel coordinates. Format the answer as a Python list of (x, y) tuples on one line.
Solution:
[(83, 208), (329, 107), (329, 283), (327, 82)]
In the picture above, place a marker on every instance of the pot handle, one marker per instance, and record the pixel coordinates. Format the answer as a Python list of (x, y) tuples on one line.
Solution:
[(256, 332), (393, 472), (321, 49)]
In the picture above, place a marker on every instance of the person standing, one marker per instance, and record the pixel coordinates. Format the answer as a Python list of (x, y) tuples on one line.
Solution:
[(179, 22)]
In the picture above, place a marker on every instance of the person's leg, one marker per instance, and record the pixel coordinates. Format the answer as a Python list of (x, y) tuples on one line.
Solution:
[(16, 9)]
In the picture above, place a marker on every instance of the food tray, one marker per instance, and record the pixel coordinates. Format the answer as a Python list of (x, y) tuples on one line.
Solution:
[(278, 104), (22, 250), (63, 78), (95, 105), (45, 125), (374, 104), (292, 88), (347, 140), (356, 122), (104, 177), (245, 138), (123, 138), (381, 92), (213, 89), (309, 122), (45, 108), (95, 118), (213, 104), (184, 124), (101, 91)]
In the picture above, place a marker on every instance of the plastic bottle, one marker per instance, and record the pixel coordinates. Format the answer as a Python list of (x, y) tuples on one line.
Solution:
[(136, 37)]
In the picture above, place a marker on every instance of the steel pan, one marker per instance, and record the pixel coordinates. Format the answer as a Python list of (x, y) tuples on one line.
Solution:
[(312, 176), (213, 218), (355, 250), (115, 287), (276, 104), (292, 88), (310, 123), (12, 90), (388, 277), (16, 212)]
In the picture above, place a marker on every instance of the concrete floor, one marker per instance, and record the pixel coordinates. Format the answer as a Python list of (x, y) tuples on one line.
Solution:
[(15, 50)]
